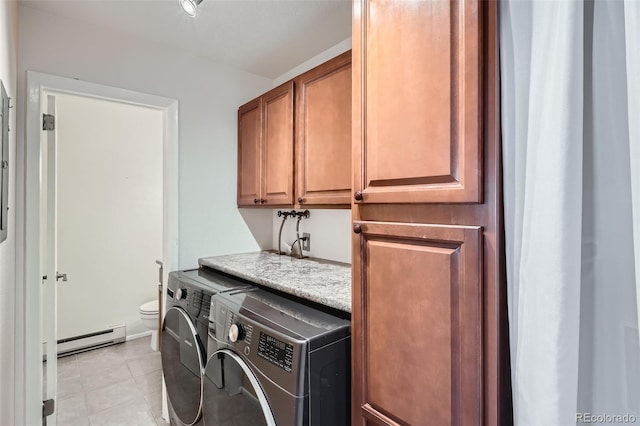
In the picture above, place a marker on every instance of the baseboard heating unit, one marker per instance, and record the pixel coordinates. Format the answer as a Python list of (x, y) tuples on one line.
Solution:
[(87, 342)]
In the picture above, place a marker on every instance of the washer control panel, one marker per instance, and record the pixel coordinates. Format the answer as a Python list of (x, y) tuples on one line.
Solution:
[(190, 298), (181, 293)]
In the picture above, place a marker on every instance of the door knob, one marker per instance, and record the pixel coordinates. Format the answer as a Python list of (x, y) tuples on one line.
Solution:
[(61, 276), (357, 228), (358, 195)]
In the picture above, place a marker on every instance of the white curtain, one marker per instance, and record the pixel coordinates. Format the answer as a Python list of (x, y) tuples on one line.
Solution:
[(632, 38), (571, 163)]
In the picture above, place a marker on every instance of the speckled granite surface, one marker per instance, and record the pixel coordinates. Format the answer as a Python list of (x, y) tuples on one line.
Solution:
[(328, 283)]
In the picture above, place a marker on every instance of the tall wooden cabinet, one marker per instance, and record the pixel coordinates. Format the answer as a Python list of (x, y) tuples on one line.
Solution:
[(265, 149), (429, 318)]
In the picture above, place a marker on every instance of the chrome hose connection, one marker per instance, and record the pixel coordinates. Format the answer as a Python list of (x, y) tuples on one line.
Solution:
[(304, 214), (300, 256), (284, 216)]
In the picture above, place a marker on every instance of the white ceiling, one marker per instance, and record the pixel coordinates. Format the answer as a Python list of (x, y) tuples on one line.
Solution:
[(264, 37)]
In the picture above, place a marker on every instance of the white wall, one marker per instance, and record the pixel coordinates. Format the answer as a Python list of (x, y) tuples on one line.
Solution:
[(320, 58), (330, 229), (8, 74), (109, 205), (330, 233), (209, 95)]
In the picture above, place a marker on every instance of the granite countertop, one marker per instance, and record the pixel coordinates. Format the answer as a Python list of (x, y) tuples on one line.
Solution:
[(324, 282)]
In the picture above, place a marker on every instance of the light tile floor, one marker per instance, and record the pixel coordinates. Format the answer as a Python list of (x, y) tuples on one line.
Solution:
[(116, 385)]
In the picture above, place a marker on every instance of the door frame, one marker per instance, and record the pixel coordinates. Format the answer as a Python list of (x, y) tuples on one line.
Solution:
[(28, 357)]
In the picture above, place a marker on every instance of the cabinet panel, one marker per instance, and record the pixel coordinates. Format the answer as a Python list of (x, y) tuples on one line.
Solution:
[(323, 127), (249, 135), (420, 322), (419, 101), (278, 145)]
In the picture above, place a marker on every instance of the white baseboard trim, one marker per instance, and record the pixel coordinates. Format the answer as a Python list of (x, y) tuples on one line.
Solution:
[(86, 342), (138, 335)]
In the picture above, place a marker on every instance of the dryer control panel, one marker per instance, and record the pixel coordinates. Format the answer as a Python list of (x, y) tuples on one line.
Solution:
[(262, 343), (288, 347), (275, 351)]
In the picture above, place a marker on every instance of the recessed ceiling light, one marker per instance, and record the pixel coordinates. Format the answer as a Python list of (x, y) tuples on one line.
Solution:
[(190, 6)]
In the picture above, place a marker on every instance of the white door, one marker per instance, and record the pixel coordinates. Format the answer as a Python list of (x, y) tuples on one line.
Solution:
[(101, 220), (109, 214), (50, 262)]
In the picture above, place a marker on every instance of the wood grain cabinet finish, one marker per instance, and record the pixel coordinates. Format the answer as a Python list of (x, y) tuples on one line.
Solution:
[(420, 302), (323, 134), (265, 149), (278, 145), (418, 103), (429, 322), (249, 153)]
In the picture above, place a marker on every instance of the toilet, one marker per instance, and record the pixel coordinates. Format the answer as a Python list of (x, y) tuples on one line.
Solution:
[(149, 316)]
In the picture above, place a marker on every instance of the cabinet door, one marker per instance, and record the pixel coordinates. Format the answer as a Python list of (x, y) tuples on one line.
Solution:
[(417, 101), (417, 324), (323, 128), (277, 146), (249, 157)]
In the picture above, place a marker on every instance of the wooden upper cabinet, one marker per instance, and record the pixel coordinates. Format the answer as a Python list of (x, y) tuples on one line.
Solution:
[(323, 134), (417, 100), (265, 149), (249, 153), (277, 151), (418, 299)]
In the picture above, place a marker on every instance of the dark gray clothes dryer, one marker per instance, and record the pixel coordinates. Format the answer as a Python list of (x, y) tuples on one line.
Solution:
[(273, 361)]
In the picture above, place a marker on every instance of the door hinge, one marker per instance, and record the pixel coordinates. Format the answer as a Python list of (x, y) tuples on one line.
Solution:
[(48, 122), (59, 277), (48, 407)]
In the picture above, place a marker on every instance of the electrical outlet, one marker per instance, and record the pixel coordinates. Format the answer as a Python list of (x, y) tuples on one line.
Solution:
[(306, 243)]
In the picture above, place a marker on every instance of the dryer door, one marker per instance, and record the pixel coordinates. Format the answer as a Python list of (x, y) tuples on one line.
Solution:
[(182, 365), (232, 394)]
